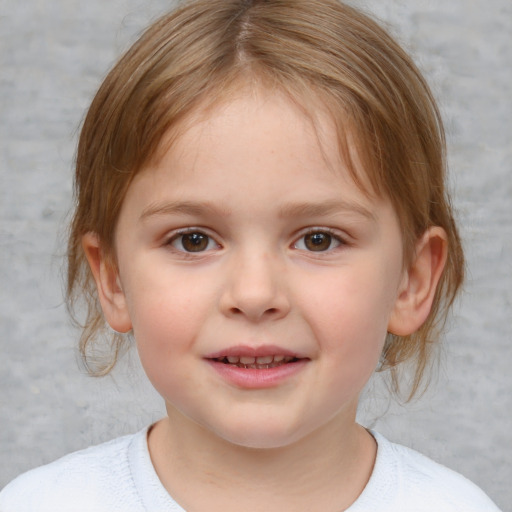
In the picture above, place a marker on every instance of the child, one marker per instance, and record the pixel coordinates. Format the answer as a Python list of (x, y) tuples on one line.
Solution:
[(261, 202)]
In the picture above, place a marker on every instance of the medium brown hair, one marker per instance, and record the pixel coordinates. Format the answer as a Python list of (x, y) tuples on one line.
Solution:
[(199, 54)]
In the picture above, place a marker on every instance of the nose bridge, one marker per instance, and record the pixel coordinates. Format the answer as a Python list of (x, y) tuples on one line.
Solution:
[(255, 286)]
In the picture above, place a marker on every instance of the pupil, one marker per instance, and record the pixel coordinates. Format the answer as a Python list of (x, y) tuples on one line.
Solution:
[(195, 242), (318, 241)]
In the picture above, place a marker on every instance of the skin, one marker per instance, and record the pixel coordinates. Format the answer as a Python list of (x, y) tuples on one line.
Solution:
[(251, 180)]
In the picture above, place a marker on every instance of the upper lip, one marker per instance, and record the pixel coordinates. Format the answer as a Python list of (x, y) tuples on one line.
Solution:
[(248, 351)]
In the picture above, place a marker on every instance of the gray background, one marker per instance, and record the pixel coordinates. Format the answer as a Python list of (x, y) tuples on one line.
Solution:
[(53, 54)]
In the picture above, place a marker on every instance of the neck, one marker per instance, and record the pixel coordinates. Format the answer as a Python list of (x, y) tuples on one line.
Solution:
[(326, 470)]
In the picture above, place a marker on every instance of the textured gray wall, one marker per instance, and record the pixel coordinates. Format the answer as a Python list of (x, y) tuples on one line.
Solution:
[(53, 54)]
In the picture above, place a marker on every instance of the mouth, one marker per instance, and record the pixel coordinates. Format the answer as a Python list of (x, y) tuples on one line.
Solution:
[(257, 363), (262, 367)]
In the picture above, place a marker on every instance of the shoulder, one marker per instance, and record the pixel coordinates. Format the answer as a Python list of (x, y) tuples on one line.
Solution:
[(97, 478), (415, 482)]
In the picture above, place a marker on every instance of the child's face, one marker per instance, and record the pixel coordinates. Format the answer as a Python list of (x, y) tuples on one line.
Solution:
[(249, 239)]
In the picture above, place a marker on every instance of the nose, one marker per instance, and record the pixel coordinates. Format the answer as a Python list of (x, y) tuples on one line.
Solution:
[(255, 288)]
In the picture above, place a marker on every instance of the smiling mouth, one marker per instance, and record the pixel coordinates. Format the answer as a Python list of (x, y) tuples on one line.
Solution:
[(257, 363)]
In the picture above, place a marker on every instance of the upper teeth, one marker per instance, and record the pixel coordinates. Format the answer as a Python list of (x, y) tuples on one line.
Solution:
[(258, 360)]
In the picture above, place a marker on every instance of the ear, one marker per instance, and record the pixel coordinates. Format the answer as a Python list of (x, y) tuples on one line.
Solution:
[(110, 292), (417, 289)]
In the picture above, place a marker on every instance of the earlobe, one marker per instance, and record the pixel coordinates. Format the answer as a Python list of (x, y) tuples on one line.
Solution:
[(110, 292), (419, 284)]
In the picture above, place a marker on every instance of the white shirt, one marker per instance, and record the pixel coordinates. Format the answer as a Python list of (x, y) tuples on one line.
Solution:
[(119, 476)]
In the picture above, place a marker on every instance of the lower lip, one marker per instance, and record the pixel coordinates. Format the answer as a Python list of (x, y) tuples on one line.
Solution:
[(252, 378)]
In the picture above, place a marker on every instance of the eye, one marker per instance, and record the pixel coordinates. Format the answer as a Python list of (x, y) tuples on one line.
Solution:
[(318, 241), (193, 241)]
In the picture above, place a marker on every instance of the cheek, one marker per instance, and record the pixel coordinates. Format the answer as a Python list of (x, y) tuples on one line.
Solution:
[(349, 314), (352, 338), (164, 339), (166, 317)]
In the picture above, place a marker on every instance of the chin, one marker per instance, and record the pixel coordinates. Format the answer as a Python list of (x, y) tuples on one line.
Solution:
[(262, 437)]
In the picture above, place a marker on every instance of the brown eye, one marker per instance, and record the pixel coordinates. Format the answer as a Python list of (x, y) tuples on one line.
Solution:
[(318, 241), (193, 242)]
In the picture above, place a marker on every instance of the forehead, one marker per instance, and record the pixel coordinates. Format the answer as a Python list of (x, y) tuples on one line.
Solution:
[(257, 145), (290, 122)]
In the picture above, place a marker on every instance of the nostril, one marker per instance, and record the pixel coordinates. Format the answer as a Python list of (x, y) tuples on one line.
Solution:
[(267, 312), (254, 306)]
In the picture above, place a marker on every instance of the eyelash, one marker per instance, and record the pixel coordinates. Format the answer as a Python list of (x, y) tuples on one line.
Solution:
[(333, 238), (178, 238)]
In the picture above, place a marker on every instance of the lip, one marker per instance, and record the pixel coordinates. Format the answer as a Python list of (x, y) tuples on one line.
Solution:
[(247, 351), (256, 378)]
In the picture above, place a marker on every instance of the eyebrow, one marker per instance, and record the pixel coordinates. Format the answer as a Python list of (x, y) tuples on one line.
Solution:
[(325, 208), (182, 207), (289, 210)]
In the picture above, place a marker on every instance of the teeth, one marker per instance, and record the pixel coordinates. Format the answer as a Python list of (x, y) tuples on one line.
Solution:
[(264, 359), (257, 362)]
